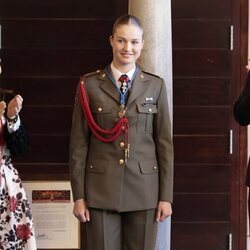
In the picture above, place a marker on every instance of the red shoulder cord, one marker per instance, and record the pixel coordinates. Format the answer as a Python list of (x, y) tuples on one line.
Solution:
[(120, 126)]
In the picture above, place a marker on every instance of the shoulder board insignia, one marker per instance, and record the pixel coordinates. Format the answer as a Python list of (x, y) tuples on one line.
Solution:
[(92, 73), (148, 73)]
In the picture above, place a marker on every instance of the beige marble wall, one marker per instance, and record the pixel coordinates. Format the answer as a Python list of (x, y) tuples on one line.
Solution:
[(156, 58), (156, 55)]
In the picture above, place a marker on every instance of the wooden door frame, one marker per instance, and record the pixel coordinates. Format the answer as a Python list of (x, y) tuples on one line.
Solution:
[(239, 157)]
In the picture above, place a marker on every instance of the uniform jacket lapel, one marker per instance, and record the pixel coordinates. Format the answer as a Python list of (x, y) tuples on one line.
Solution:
[(108, 86), (140, 84)]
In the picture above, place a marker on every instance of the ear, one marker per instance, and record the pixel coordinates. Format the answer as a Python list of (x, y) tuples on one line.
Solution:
[(111, 41), (142, 43)]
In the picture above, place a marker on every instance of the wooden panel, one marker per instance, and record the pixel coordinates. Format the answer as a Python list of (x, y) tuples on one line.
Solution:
[(58, 91), (203, 76), (201, 149), (209, 9), (202, 207), (201, 120), (201, 33), (52, 62), (201, 62), (200, 236), (91, 34), (201, 178), (47, 149), (201, 91), (58, 8), (42, 171), (46, 46), (48, 120)]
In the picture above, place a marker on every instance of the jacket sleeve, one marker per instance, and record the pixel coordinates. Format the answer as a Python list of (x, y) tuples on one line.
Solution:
[(242, 105), (78, 150), (18, 141), (164, 146)]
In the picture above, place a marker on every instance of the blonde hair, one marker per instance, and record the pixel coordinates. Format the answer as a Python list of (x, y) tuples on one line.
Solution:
[(126, 19)]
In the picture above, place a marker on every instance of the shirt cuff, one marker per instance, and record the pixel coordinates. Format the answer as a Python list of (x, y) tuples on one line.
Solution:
[(14, 125)]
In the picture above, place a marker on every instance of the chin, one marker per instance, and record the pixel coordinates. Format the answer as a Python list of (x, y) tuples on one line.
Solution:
[(127, 61)]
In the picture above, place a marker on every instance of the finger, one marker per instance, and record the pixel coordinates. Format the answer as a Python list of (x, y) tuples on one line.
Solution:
[(83, 218), (18, 97), (2, 113), (2, 104), (87, 215), (80, 216), (19, 101), (163, 217), (158, 215)]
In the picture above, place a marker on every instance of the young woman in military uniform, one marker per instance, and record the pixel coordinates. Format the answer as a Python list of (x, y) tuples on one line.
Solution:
[(121, 155)]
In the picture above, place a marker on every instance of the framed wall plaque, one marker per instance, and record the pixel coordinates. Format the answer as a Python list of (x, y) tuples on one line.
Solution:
[(52, 206)]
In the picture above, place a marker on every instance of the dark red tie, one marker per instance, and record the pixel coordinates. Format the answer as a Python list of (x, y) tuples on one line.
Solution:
[(124, 79)]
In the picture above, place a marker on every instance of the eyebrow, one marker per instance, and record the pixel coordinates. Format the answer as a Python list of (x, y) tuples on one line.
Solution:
[(133, 39)]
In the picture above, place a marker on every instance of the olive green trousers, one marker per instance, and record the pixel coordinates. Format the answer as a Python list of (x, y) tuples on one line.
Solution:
[(109, 230)]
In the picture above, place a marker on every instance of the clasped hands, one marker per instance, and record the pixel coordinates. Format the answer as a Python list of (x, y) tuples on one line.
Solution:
[(13, 108)]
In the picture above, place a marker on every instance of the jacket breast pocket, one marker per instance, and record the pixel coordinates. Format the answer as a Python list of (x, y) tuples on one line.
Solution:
[(145, 117), (101, 113)]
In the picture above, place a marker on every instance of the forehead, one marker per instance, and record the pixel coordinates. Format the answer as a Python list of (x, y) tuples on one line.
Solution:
[(128, 31)]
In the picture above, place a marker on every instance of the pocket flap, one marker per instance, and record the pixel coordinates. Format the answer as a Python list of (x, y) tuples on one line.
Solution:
[(148, 167), (96, 167), (147, 109)]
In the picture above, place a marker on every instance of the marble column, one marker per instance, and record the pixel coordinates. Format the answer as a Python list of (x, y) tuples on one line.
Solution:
[(156, 58), (156, 55)]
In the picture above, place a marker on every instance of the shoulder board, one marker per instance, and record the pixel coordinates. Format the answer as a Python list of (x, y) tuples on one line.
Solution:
[(148, 73), (92, 73)]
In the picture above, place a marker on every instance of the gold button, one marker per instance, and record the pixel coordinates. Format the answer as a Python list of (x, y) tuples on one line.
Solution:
[(99, 109), (103, 75), (142, 76), (91, 166), (121, 161), (154, 167), (122, 144), (150, 110)]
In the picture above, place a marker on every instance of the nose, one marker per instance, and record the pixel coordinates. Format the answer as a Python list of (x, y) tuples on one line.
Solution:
[(127, 46)]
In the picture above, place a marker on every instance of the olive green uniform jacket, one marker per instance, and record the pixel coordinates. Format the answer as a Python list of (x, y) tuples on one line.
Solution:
[(99, 173)]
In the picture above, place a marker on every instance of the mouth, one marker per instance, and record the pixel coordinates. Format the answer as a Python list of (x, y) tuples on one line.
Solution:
[(126, 55)]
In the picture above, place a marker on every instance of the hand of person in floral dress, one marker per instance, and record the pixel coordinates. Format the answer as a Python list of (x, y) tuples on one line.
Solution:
[(14, 107), (2, 108)]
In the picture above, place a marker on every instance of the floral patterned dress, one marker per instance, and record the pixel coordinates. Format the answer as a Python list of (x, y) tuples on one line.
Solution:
[(16, 225)]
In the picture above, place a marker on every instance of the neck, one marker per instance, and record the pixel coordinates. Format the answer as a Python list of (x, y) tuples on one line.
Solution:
[(123, 68)]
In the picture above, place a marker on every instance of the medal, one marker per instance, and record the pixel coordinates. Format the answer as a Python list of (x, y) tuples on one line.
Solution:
[(122, 111)]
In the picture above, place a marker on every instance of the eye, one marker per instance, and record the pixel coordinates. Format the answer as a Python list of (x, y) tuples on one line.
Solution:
[(120, 41), (135, 42)]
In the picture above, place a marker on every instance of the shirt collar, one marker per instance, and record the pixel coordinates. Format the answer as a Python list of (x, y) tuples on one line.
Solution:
[(117, 73)]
